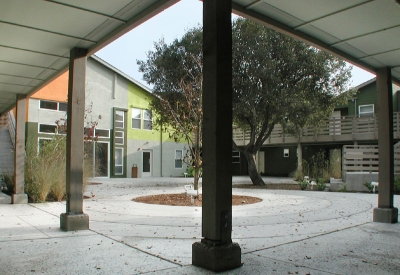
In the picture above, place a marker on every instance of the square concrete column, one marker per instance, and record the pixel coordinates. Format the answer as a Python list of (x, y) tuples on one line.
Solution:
[(74, 218), (216, 251), (385, 211), (19, 196)]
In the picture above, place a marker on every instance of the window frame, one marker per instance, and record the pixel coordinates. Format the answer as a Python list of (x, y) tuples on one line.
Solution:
[(136, 119), (48, 133), (147, 120), (117, 121), (360, 114), (122, 161), (176, 159), (57, 105)]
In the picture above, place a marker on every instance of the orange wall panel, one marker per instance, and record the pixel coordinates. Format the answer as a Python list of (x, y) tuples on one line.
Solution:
[(56, 90)]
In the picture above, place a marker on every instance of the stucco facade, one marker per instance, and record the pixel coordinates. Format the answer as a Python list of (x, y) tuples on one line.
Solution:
[(111, 99)]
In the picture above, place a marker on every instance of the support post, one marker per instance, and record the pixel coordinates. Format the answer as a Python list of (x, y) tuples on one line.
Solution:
[(74, 218), (19, 196), (385, 212), (216, 251)]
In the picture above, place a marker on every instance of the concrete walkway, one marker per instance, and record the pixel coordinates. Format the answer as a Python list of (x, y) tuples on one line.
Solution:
[(289, 232)]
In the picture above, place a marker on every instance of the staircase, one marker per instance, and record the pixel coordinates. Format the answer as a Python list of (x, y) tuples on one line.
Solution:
[(6, 148)]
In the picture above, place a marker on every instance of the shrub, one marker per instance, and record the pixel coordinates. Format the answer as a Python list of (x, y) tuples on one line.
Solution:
[(303, 184), (396, 185), (190, 171), (45, 169), (369, 186), (343, 189), (320, 185)]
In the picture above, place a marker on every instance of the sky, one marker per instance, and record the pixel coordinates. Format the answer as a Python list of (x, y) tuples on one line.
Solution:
[(170, 24)]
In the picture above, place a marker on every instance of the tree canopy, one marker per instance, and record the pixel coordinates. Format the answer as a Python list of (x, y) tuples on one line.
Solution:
[(175, 70), (276, 79)]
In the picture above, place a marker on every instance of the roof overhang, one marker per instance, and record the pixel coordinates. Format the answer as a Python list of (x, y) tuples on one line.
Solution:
[(37, 36)]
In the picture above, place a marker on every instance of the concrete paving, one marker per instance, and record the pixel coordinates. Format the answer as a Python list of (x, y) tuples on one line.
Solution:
[(289, 232)]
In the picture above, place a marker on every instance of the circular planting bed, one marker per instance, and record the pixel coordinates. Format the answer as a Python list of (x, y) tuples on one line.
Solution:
[(183, 200)]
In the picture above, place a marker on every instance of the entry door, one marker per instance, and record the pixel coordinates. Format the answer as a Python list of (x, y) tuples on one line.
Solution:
[(147, 160)]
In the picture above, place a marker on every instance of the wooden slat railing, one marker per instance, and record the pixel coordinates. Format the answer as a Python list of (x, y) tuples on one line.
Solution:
[(348, 128)]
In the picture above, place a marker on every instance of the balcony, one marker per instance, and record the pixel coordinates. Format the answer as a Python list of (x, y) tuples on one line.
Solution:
[(332, 130)]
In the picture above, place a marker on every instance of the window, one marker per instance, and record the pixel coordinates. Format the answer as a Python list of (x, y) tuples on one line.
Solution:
[(119, 161), (62, 106), (285, 153), (119, 137), (178, 158), (52, 105), (366, 110), (119, 119), (235, 157), (136, 118), (102, 133), (147, 122), (47, 128)]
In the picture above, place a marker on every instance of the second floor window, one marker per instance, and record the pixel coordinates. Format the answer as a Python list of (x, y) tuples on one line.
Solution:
[(366, 110), (141, 119), (52, 105)]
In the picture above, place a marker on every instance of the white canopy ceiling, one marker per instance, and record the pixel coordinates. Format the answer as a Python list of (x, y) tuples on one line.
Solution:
[(36, 36)]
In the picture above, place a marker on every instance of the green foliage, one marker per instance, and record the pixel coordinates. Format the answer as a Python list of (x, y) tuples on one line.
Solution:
[(190, 171), (176, 71), (343, 189), (320, 185), (303, 184), (45, 174), (397, 185), (317, 166), (7, 182), (369, 186), (276, 79)]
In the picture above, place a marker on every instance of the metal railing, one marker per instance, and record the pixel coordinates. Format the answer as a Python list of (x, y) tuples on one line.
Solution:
[(347, 128)]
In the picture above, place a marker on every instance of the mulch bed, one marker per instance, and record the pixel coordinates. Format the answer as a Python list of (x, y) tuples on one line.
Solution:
[(183, 200)]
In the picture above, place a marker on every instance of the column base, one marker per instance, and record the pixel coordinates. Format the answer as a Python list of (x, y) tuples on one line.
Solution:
[(20, 198), (73, 222), (386, 215), (216, 258)]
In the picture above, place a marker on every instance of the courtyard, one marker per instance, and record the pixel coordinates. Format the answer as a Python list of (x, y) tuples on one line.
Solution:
[(288, 232)]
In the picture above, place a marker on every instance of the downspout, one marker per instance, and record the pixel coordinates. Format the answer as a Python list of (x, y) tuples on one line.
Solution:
[(161, 151)]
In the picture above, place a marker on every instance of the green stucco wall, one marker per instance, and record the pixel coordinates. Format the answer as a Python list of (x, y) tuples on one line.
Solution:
[(137, 98)]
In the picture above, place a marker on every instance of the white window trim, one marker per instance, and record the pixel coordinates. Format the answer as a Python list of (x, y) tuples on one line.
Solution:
[(46, 133), (108, 131), (119, 165), (366, 105), (176, 150), (123, 119), (140, 119), (58, 106), (144, 120), (123, 138)]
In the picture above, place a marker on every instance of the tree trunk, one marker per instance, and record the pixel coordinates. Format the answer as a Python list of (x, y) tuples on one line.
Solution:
[(299, 158), (252, 168), (196, 179)]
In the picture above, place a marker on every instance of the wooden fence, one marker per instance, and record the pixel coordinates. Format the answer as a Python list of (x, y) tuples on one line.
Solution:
[(365, 158)]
